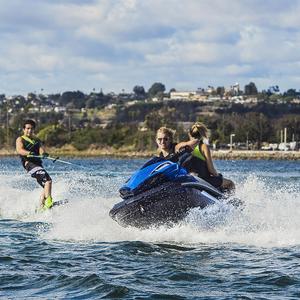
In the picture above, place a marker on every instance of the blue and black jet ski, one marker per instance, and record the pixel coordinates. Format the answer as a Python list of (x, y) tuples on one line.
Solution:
[(161, 193)]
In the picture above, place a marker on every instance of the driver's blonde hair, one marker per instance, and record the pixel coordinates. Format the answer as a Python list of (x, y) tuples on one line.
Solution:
[(166, 131)]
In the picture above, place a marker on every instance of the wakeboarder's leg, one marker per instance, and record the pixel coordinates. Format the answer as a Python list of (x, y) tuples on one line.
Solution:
[(48, 202), (42, 198)]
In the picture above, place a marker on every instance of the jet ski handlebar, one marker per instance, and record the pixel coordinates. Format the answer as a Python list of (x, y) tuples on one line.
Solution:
[(180, 157)]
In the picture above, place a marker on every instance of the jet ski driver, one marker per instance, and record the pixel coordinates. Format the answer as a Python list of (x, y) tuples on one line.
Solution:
[(165, 143)]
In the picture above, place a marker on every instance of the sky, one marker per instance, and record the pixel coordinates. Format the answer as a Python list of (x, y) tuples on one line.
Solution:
[(55, 46)]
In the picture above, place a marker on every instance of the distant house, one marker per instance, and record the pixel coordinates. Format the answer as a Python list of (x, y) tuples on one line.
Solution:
[(235, 89), (46, 108), (59, 109), (214, 98), (33, 109), (296, 101), (293, 146), (188, 95), (130, 103), (251, 100), (110, 106), (181, 95)]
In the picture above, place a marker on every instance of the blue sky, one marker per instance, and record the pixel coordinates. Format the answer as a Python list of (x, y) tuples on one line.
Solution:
[(117, 44)]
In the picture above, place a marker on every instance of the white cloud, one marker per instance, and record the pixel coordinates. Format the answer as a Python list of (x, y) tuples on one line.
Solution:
[(118, 44), (88, 65), (236, 70)]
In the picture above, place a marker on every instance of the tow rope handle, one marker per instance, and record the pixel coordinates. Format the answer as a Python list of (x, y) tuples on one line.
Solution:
[(54, 159)]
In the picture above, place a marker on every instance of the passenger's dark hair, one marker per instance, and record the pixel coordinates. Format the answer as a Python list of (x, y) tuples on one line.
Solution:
[(31, 122)]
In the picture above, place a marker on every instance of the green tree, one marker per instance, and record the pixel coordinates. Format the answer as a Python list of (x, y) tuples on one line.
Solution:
[(155, 89), (139, 91), (2, 137), (153, 121), (53, 136), (274, 98), (220, 91), (291, 122), (31, 96), (73, 99), (250, 89), (98, 100), (291, 93), (84, 137)]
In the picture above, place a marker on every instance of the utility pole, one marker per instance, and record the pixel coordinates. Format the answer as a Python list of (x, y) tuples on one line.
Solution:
[(285, 134), (70, 125), (7, 127), (231, 136)]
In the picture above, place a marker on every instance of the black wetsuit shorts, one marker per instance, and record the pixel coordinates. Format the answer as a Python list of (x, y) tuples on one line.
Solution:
[(38, 172)]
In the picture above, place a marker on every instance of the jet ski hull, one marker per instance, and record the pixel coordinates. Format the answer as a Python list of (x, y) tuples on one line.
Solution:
[(166, 204)]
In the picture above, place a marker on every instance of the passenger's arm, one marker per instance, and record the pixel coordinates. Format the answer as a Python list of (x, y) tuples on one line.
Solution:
[(20, 147), (192, 144), (210, 165)]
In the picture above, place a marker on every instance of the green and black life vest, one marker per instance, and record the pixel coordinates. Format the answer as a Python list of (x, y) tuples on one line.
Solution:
[(197, 163), (33, 145), (197, 153)]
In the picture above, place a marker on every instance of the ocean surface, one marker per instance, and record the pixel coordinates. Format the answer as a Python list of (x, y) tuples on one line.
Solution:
[(76, 251)]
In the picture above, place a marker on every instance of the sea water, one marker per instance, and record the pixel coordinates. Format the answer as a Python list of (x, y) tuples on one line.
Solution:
[(77, 251)]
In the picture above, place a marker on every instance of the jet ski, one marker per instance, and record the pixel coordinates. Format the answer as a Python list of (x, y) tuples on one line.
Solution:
[(161, 193)]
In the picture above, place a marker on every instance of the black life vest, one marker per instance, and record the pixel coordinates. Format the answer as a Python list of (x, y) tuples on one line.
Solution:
[(171, 156), (33, 145)]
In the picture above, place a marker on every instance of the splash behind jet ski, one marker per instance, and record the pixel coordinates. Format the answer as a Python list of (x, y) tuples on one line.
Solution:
[(161, 192)]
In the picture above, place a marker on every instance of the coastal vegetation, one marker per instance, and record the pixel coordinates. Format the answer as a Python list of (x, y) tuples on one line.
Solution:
[(129, 120)]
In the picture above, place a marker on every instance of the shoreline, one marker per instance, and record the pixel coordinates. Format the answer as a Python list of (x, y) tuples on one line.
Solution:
[(255, 155), (218, 154)]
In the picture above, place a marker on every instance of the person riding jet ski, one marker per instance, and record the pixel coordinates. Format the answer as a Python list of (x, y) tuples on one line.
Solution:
[(200, 162)]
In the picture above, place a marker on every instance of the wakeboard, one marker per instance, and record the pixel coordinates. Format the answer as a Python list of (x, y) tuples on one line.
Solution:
[(60, 202), (55, 204)]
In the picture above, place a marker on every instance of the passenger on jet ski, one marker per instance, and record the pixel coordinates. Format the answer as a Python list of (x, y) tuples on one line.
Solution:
[(200, 162)]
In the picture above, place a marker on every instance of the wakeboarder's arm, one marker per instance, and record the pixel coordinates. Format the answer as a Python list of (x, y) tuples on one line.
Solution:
[(210, 166), (42, 149), (20, 147)]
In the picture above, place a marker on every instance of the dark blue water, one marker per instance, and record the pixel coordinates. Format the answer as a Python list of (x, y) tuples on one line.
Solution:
[(77, 252)]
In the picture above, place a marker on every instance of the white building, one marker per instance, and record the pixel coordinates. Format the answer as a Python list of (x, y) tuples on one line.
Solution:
[(235, 88), (59, 109), (187, 95)]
